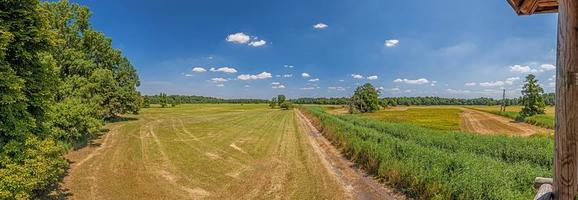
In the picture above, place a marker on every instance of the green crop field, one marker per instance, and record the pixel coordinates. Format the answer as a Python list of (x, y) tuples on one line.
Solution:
[(546, 120), (196, 151), (440, 118), (433, 164)]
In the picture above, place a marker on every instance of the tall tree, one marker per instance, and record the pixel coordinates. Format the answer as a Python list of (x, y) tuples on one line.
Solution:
[(365, 99), (532, 98), (281, 99)]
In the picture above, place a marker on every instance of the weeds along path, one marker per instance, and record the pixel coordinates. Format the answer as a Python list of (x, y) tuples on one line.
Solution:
[(487, 123), (358, 184), (203, 152)]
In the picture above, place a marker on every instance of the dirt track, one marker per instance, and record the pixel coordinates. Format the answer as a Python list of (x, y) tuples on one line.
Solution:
[(359, 185), (487, 123)]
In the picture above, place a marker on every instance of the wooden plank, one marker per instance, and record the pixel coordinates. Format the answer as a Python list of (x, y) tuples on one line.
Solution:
[(529, 7), (565, 157)]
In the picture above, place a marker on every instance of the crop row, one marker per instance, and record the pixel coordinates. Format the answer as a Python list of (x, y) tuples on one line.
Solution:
[(428, 171)]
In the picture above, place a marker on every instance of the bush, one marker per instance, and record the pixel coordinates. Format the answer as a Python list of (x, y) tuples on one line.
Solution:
[(287, 106)]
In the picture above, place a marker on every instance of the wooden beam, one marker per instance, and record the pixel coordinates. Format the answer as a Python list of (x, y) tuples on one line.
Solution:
[(566, 136), (530, 7)]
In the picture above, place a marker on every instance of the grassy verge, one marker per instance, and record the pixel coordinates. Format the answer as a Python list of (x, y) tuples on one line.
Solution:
[(430, 164), (546, 120)]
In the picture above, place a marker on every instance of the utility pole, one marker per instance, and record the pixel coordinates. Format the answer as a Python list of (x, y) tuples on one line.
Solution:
[(503, 108)]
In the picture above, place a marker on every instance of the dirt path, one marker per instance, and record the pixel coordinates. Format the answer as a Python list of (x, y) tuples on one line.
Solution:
[(357, 183), (487, 123)]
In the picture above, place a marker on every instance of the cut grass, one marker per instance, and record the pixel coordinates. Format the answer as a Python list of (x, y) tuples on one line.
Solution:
[(203, 151), (546, 120), (429, 164), (439, 118)]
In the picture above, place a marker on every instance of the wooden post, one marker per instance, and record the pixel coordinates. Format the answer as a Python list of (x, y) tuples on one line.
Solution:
[(565, 160)]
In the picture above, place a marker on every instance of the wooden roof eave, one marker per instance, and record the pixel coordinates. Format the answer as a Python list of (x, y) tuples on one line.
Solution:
[(530, 7)]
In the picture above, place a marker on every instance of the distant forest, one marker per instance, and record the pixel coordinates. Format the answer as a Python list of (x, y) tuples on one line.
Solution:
[(388, 101)]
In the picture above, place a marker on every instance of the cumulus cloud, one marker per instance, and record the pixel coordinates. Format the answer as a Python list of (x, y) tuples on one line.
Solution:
[(263, 75), (314, 80), (287, 75), (471, 84), (288, 66), (305, 75), (548, 67), (277, 85), (372, 78), (433, 83), (258, 43), (307, 88), (224, 70), (221, 85), (523, 69), (493, 84), (511, 80), (188, 75), (217, 80), (240, 38), (199, 69), (391, 43), (320, 26), (420, 81), (336, 88), (356, 76), (395, 89)]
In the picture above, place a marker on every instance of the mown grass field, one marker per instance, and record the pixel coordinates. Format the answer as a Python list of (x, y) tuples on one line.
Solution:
[(430, 164), (202, 151), (440, 118), (546, 120)]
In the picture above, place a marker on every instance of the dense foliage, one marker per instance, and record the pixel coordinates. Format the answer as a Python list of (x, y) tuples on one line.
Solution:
[(365, 99), (532, 98), (183, 99), (59, 81), (429, 164)]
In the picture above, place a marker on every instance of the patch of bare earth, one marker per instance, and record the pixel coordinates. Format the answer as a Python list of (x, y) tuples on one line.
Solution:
[(357, 183), (487, 123)]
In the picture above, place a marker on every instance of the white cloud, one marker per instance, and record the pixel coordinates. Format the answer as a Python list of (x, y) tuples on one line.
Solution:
[(356, 76), (258, 43), (199, 69), (337, 88), (224, 70), (391, 43), (263, 75), (247, 86), (216, 80), (314, 80), (320, 26), (511, 80), (307, 88), (523, 69), (420, 81), (433, 83), (305, 75), (240, 38), (287, 75), (395, 89), (278, 86), (288, 66), (221, 85), (548, 67), (372, 78), (341, 80), (471, 84), (407, 91), (493, 84), (275, 83), (458, 91), (188, 75)]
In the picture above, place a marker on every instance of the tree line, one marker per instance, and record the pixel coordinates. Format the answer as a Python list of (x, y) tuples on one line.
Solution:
[(60, 80), (164, 99)]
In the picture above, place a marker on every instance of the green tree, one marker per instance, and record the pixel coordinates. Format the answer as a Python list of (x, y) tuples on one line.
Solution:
[(532, 98), (164, 100), (280, 99), (30, 159), (365, 99), (286, 105), (273, 103)]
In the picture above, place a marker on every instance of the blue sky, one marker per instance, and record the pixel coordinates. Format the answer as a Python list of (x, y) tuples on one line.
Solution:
[(261, 48)]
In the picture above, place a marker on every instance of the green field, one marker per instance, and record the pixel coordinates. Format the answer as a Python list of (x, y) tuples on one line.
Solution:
[(546, 120), (439, 118), (203, 151), (432, 164)]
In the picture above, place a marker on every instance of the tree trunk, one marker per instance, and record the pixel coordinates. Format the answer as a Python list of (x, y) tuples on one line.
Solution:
[(565, 165)]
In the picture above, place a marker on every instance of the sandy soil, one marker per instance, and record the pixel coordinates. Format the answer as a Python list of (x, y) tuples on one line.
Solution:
[(359, 185), (487, 123)]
